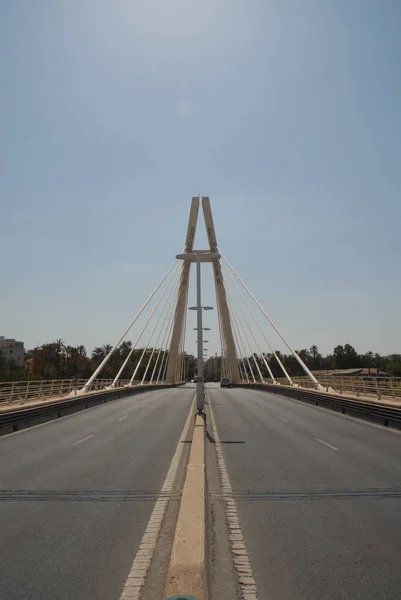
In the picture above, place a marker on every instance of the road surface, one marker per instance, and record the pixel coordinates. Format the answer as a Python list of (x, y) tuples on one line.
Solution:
[(318, 496), (60, 547)]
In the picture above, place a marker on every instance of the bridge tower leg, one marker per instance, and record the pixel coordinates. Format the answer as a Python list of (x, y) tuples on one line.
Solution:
[(179, 317), (222, 307)]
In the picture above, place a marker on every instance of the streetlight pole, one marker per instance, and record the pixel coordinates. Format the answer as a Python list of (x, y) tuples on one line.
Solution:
[(198, 257), (199, 381)]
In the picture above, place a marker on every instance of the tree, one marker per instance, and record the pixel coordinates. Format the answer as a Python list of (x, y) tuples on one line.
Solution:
[(346, 357), (339, 357), (315, 358), (394, 367), (351, 356)]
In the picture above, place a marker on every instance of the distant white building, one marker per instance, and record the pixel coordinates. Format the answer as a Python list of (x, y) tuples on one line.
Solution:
[(12, 350)]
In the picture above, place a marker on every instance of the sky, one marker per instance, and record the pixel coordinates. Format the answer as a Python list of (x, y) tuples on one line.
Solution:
[(286, 113)]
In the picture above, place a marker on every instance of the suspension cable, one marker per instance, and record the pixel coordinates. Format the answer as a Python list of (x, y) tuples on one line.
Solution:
[(247, 340), (295, 354), (223, 365), (170, 317), (154, 329), (233, 312), (169, 300), (232, 281), (107, 357), (262, 332), (252, 334), (144, 327), (166, 352)]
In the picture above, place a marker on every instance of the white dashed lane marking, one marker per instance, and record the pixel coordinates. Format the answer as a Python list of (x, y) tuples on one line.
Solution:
[(325, 443), (88, 437)]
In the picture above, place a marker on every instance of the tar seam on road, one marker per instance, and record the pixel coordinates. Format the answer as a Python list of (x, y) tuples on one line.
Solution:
[(326, 443), (239, 552), (310, 495), (122, 418), (88, 437), (137, 575), (281, 419), (83, 496)]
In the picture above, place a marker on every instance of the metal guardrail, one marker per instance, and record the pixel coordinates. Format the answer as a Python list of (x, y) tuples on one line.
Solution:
[(22, 391), (371, 387), (389, 416)]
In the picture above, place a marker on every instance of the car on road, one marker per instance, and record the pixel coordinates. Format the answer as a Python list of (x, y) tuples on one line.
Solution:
[(225, 382)]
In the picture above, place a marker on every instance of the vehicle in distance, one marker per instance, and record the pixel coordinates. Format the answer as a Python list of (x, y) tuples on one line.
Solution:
[(225, 382)]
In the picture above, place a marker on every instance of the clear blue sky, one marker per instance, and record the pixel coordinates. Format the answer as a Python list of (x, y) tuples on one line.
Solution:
[(287, 113)]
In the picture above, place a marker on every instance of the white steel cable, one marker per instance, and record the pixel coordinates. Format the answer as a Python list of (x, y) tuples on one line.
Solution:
[(144, 327), (232, 281), (178, 365), (241, 353), (166, 355), (105, 360), (170, 317), (251, 332), (236, 322), (166, 352), (183, 341), (261, 331), (296, 356), (153, 330), (223, 366), (165, 311), (247, 340)]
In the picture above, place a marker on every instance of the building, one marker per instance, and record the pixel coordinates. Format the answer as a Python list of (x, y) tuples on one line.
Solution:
[(212, 368), (12, 350)]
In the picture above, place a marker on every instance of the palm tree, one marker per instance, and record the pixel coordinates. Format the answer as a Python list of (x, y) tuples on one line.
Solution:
[(98, 353)]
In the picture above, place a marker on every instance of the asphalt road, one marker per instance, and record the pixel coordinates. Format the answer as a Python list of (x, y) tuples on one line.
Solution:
[(316, 497), (63, 546)]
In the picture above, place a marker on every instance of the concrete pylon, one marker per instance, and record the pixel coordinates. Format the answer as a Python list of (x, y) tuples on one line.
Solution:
[(179, 317), (222, 307), (221, 295)]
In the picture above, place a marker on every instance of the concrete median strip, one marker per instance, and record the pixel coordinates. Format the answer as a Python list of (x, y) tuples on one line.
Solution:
[(186, 574), (137, 575)]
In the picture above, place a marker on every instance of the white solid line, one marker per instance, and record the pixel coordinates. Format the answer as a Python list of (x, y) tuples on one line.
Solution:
[(84, 440), (325, 443), (281, 419), (239, 551), (122, 418), (137, 575)]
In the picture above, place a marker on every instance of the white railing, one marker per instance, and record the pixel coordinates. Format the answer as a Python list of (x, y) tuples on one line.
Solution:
[(370, 387), (24, 391)]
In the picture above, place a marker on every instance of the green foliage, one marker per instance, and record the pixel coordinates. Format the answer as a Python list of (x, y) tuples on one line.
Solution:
[(57, 360)]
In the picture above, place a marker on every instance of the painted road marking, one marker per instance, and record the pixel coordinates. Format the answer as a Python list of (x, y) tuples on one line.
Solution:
[(239, 552), (325, 443), (139, 569), (281, 419), (83, 440), (122, 418)]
